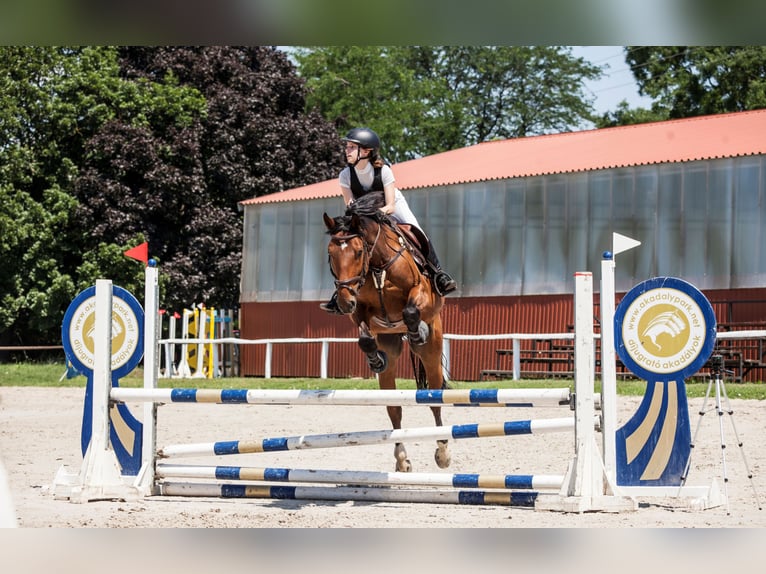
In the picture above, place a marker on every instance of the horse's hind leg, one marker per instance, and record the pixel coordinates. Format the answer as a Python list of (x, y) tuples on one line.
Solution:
[(430, 373)]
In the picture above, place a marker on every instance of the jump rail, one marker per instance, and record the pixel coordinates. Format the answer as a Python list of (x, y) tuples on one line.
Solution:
[(364, 438), (507, 481), (345, 493), (461, 397)]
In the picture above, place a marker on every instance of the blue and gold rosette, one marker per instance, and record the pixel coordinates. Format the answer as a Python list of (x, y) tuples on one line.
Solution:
[(665, 331), (125, 431)]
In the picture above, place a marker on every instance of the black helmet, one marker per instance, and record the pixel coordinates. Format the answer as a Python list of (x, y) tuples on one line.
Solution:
[(365, 137)]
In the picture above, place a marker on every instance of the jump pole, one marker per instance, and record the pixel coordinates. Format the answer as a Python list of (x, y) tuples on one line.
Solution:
[(347, 397), (356, 477), (183, 371), (365, 438), (346, 493)]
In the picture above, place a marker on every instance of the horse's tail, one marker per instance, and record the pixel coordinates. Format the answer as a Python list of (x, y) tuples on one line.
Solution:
[(421, 381)]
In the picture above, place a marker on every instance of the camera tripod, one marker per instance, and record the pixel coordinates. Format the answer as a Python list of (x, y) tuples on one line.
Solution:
[(717, 370)]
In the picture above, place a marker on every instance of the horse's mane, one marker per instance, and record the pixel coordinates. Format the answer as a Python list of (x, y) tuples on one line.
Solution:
[(366, 206)]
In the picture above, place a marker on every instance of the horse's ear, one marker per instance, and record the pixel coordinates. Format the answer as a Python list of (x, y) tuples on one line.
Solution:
[(356, 221), (329, 222)]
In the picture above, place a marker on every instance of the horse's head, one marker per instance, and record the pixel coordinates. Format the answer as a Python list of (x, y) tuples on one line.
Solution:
[(348, 257)]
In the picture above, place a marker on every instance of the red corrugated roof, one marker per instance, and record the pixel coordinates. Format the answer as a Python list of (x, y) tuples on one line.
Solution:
[(706, 137)]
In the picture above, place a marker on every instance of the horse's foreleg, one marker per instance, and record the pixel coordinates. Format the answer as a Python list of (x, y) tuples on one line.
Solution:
[(376, 358), (403, 464), (387, 381), (417, 330)]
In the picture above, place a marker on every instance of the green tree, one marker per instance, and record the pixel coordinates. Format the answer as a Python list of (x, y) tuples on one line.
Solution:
[(428, 99), (369, 86), (102, 148), (688, 81), (179, 182), (624, 115), (48, 107)]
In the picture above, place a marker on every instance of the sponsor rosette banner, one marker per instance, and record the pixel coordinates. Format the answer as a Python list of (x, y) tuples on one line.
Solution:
[(127, 350), (665, 331)]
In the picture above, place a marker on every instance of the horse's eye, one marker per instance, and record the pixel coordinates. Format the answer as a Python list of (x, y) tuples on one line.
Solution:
[(359, 254)]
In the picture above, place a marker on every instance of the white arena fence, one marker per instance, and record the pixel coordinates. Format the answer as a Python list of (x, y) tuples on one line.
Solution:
[(171, 371)]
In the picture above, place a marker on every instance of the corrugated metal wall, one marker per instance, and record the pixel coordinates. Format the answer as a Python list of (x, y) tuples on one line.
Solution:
[(739, 310), (735, 309), (490, 315)]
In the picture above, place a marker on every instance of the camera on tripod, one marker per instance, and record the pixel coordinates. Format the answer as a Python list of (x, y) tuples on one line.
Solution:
[(716, 362)]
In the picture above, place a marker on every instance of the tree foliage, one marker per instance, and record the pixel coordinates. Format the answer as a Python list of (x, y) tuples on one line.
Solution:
[(624, 115), (42, 127), (103, 148), (689, 81), (428, 99)]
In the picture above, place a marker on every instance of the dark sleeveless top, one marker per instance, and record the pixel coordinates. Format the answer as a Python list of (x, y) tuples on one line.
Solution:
[(356, 186)]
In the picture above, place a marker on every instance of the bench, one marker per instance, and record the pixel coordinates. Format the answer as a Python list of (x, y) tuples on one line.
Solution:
[(538, 361)]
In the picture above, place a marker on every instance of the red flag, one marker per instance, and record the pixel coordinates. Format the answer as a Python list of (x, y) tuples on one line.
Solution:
[(139, 252)]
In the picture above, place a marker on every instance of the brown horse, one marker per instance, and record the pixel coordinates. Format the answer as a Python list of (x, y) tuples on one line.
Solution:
[(380, 285)]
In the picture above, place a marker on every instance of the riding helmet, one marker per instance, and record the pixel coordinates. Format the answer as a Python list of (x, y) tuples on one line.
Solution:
[(365, 137)]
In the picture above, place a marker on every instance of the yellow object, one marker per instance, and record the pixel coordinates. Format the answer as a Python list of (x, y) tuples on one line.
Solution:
[(191, 350), (210, 357)]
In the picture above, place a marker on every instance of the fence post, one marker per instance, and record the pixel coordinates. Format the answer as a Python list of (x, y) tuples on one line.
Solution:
[(325, 356)]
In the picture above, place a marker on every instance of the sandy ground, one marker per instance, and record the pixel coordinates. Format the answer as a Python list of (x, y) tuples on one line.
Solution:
[(39, 432)]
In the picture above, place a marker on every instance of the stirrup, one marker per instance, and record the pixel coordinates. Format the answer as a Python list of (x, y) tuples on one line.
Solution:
[(444, 284), (331, 306)]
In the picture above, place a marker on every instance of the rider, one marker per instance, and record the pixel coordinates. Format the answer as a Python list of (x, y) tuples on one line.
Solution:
[(366, 172)]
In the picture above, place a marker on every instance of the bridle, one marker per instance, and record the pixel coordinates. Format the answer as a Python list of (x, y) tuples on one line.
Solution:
[(355, 284)]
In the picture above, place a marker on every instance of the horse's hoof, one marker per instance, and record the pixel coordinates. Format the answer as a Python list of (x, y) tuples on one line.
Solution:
[(442, 456), (367, 345), (378, 362), (403, 464), (419, 337)]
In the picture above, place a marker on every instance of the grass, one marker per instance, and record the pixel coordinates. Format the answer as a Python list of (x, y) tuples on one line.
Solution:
[(49, 375)]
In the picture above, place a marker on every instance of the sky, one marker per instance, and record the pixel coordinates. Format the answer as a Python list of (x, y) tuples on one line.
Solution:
[(617, 84)]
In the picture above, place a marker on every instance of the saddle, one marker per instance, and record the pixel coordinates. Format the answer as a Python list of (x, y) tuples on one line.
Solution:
[(416, 242)]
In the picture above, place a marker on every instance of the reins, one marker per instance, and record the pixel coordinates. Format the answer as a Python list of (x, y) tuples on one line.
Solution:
[(379, 272)]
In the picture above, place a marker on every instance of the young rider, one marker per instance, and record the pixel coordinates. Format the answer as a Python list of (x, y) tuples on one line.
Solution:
[(366, 172)]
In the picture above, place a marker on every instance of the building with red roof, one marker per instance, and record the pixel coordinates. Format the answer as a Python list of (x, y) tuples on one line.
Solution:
[(513, 220)]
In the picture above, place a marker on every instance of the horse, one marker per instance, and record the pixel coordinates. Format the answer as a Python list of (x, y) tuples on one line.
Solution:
[(381, 287)]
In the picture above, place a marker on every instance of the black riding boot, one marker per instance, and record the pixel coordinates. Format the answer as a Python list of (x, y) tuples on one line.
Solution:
[(441, 280), (332, 305)]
